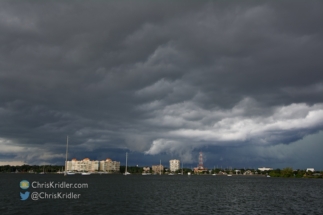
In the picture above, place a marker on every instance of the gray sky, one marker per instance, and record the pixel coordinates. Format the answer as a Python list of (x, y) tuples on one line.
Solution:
[(240, 81)]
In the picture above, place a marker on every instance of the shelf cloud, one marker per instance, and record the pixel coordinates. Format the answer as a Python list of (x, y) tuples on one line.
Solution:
[(241, 82)]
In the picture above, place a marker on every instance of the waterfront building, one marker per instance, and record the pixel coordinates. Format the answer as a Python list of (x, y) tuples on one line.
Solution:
[(220, 173), (265, 169), (199, 170), (102, 165), (109, 165), (174, 165), (94, 166), (146, 169), (248, 172), (86, 165), (238, 172), (310, 169), (157, 169)]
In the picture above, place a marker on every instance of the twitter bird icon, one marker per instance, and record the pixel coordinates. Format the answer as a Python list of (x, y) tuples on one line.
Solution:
[(24, 196)]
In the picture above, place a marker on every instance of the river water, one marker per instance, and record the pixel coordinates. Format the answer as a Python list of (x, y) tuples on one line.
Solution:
[(137, 194)]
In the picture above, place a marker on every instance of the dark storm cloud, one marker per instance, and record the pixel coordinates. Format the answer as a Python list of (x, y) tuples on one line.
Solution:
[(157, 77)]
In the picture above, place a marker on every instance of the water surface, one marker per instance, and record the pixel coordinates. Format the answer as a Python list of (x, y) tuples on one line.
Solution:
[(137, 194)]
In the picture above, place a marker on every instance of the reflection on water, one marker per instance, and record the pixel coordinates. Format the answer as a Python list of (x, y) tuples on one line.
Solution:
[(136, 194)]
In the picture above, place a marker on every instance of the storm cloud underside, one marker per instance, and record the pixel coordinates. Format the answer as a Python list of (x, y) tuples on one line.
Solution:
[(240, 81)]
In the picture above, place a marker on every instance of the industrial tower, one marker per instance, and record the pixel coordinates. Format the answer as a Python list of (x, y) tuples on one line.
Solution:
[(201, 161)]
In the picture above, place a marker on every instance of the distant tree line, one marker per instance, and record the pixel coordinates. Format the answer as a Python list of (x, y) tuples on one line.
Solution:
[(131, 169), (287, 172), (139, 170), (29, 168)]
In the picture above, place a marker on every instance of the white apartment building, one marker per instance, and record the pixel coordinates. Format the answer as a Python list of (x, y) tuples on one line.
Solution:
[(265, 168), (174, 165), (85, 165), (109, 166), (310, 169)]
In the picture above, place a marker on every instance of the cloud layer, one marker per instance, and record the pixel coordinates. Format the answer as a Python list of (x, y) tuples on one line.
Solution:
[(160, 79)]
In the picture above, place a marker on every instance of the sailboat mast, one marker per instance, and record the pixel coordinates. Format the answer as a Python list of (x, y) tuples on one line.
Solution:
[(182, 168), (66, 155), (159, 167), (126, 163)]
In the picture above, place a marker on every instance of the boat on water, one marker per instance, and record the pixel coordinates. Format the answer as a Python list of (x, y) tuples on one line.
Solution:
[(85, 173), (60, 172), (69, 173), (146, 173), (103, 173), (43, 172), (171, 173), (214, 174), (229, 175), (188, 173), (268, 176)]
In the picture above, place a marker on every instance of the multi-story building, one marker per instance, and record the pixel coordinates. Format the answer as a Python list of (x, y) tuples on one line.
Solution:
[(310, 169), (158, 169), (174, 165), (94, 166), (86, 165), (265, 169), (109, 166)]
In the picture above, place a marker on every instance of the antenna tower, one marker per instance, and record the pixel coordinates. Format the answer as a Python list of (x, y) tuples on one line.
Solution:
[(201, 161)]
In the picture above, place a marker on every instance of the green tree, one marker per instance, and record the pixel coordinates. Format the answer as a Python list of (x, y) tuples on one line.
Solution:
[(275, 173), (287, 172), (300, 173)]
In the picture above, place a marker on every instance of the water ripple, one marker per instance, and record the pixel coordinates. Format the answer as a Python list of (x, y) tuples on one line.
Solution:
[(118, 194)]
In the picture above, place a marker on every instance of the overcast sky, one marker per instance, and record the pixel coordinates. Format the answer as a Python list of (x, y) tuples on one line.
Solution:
[(240, 81)]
